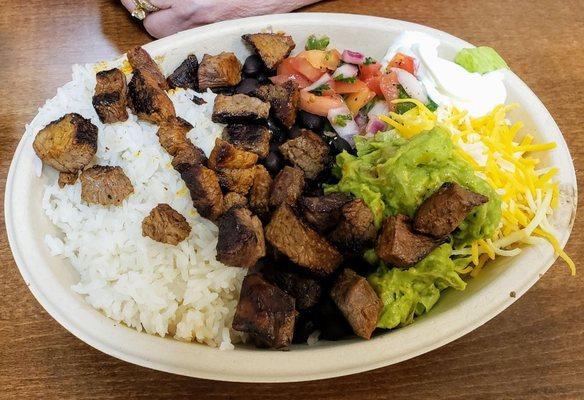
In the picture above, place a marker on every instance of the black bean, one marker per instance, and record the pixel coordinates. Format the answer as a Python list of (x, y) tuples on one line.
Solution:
[(310, 121), (339, 145), (295, 132), (247, 86), (263, 79), (334, 326), (274, 162), (253, 66), (279, 132), (306, 323)]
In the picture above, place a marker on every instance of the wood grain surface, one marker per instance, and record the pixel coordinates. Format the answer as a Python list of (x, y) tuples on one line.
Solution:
[(533, 350)]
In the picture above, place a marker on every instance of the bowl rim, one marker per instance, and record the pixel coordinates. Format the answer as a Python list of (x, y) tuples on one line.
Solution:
[(303, 364)]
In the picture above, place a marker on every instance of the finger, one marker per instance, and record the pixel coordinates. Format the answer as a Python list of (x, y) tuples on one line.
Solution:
[(129, 4), (162, 4), (162, 23)]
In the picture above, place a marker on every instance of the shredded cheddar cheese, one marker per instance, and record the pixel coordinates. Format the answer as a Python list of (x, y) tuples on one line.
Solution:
[(495, 150)]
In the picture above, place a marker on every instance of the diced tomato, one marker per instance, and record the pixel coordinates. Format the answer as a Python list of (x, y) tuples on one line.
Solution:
[(318, 105), (346, 87), (322, 59), (285, 67), (373, 84), (299, 79), (356, 101), (302, 66), (404, 62), (388, 86), (368, 71)]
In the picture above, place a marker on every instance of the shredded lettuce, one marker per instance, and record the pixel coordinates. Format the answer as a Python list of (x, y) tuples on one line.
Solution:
[(480, 59)]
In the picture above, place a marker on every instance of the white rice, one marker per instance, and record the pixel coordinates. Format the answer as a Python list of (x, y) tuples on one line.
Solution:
[(181, 291)]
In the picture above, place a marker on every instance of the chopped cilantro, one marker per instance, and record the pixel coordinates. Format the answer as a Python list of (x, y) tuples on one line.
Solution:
[(349, 79), (402, 108), (318, 90), (314, 43), (432, 106), (341, 119), (369, 61)]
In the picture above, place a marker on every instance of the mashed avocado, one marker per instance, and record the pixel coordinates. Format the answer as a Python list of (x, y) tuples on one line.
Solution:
[(394, 176), (409, 293)]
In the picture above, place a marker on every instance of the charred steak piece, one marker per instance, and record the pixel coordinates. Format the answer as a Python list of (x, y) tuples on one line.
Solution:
[(241, 238), (205, 191), (283, 100), (219, 71), (186, 74), (286, 187), (265, 312), (233, 199), (306, 291), (67, 144), (147, 100), (356, 229), (111, 96), (165, 225), (259, 196), (292, 237), (323, 212), (139, 59), (271, 47), (442, 212), (254, 138), (67, 178), (308, 152), (399, 245), (105, 185), (236, 180), (225, 155), (357, 301), (172, 135), (239, 108)]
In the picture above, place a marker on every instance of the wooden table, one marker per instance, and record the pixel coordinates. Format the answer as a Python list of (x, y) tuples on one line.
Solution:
[(532, 350)]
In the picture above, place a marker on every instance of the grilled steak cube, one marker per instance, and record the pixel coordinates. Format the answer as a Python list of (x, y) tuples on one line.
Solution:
[(254, 138), (239, 108), (139, 59), (259, 196), (265, 312), (271, 47), (286, 187), (187, 155), (323, 212), (67, 178), (241, 238), (236, 180), (67, 144), (205, 191), (147, 100), (233, 199), (105, 185), (308, 152), (356, 229), (227, 156), (172, 134), (165, 225), (186, 74), (111, 96), (306, 291), (442, 212), (219, 71), (292, 237), (283, 100), (358, 302), (399, 245)]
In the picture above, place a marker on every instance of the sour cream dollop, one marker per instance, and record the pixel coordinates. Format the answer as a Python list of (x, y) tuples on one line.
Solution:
[(447, 83)]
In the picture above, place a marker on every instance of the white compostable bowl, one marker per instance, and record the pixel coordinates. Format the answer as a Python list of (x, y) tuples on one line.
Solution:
[(457, 313)]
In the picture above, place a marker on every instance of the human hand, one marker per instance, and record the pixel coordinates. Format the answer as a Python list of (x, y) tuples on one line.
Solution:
[(178, 15)]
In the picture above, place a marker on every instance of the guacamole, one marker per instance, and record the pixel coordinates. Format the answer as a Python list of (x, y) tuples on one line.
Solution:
[(409, 293), (394, 175)]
